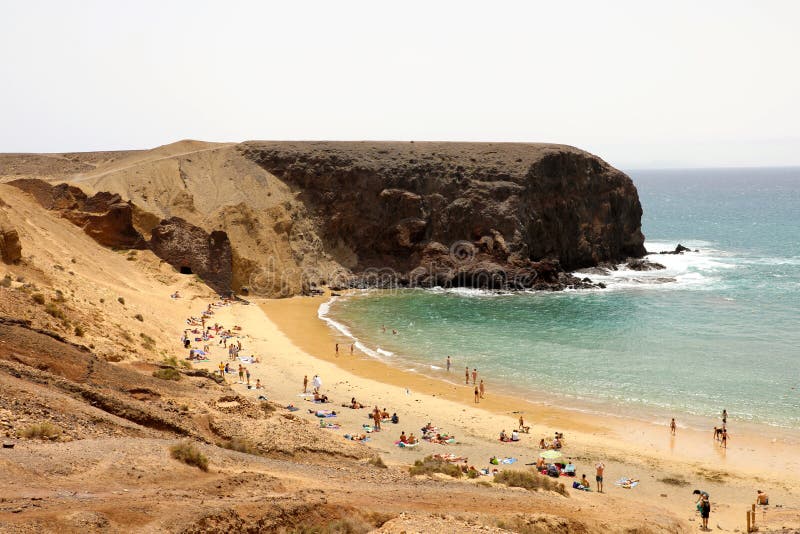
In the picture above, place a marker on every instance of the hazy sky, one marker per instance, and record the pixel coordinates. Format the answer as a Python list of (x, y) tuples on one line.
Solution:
[(639, 83)]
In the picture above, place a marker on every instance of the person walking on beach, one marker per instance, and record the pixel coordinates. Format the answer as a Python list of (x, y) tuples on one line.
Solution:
[(477, 395), (316, 383), (241, 373), (337, 349), (247, 375), (599, 468), (352, 348), (305, 384), (724, 438), (705, 510), (672, 426), (474, 376), (483, 390), (466, 375), (448, 364)]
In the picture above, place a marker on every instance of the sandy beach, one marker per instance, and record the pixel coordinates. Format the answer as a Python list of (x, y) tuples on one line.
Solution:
[(292, 342)]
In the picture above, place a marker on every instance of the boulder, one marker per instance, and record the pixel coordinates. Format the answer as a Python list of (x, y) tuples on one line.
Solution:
[(10, 246), (644, 265)]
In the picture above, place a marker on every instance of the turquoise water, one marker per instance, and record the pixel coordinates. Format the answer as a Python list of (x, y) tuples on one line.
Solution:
[(717, 329)]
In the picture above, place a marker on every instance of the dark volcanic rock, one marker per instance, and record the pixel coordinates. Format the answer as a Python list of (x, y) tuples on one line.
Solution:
[(104, 216), (644, 265), (505, 216), (680, 249), (10, 246), (192, 250)]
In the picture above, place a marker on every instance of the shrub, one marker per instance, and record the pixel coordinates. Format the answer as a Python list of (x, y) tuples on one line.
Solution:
[(102, 301), (38, 298), (167, 373), (139, 317), (239, 445), (430, 465), (169, 360), (530, 480), (187, 453), (55, 311), (41, 431), (377, 461), (149, 343), (59, 296), (674, 481), (6, 281), (79, 331), (121, 300)]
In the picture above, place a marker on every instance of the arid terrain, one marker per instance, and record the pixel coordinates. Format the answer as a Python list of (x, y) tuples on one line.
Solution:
[(95, 391)]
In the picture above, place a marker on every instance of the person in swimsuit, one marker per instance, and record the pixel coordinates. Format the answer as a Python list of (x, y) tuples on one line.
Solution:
[(762, 499), (477, 395), (672, 426), (599, 468)]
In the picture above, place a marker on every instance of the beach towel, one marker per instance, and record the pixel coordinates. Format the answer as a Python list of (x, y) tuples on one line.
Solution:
[(508, 460), (406, 445), (292, 408), (627, 483)]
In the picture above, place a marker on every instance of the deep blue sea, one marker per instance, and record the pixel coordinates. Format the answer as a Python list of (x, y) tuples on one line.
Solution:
[(717, 329)]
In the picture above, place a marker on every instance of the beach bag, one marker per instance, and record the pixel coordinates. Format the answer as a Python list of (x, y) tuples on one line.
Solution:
[(552, 471)]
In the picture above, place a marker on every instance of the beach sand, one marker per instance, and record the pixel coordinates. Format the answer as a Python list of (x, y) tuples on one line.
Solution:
[(292, 341)]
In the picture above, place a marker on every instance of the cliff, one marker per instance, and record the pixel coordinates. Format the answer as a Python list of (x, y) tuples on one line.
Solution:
[(356, 214)]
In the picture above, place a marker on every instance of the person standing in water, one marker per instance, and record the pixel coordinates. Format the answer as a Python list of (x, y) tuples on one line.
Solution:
[(474, 376), (724, 438), (672, 426), (724, 417), (482, 389), (466, 375), (477, 395), (448, 364)]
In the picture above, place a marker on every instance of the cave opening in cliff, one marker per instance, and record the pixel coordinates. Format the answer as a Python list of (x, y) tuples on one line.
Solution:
[(185, 269)]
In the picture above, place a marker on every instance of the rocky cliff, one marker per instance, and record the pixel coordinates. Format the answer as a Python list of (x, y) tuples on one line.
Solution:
[(300, 214)]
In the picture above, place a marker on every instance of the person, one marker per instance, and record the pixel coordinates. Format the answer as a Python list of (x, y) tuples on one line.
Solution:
[(412, 439), (569, 469), (258, 384), (522, 426), (724, 438), (716, 434), (474, 376), (599, 468), (724, 417), (483, 390), (305, 384), (247, 375), (352, 348), (395, 419), (383, 327), (477, 395), (403, 437), (222, 369), (466, 375), (542, 444), (394, 332), (503, 435), (376, 418), (705, 510), (514, 435), (337, 349), (585, 482), (672, 426), (700, 494), (448, 364), (241, 373), (762, 499), (540, 463), (316, 383)]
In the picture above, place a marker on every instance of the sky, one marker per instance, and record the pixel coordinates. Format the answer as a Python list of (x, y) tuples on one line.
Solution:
[(641, 84)]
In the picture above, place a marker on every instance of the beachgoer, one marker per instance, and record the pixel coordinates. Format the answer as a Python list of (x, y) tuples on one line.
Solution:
[(482, 388), (394, 332), (585, 482), (542, 444), (477, 395), (724, 416), (522, 426), (705, 510), (762, 498), (241, 373), (700, 494), (724, 438), (474, 376), (716, 434), (247, 375), (448, 364), (316, 383), (514, 435), (395, 419), (337, 348), (599, 468), (403, 437), (383, 327), (305, 384), (503, 435), (222, 369), (258, 384), (672, 426), (412, 439), (352, 348)]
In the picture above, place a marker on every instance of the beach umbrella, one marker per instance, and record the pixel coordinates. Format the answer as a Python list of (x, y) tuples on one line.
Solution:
[(550, 455)]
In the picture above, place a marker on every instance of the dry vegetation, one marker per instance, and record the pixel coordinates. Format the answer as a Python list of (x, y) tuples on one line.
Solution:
[(530, 480), (187, 453)]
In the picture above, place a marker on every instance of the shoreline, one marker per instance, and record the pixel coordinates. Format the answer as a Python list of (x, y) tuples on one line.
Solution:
[(292, 341), (599, 408)]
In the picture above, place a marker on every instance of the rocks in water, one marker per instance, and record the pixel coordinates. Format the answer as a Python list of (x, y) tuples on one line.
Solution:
[(643, 265), (680, 249), (10, 246)]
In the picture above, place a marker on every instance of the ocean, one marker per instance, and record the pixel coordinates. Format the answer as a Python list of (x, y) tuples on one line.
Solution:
[(718, 329)]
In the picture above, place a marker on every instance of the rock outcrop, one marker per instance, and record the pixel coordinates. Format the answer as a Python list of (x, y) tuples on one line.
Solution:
[(10, 246), (503, 216), (191, 250), (105, 216)]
